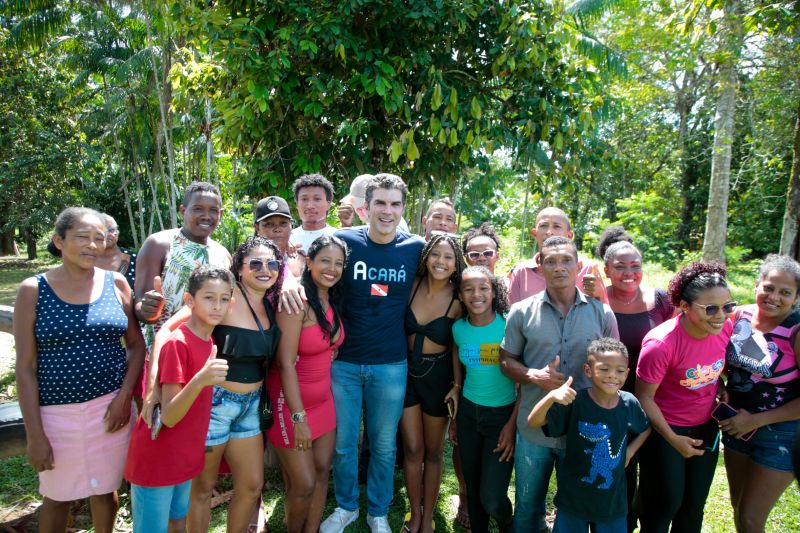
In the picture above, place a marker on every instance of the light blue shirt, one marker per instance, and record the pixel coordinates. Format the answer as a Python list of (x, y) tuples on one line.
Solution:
[(479, 351)]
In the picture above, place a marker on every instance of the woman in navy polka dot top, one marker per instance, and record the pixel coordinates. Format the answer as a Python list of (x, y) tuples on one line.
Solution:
[(73, 381)]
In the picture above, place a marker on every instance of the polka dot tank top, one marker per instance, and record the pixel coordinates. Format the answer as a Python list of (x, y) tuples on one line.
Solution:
[(80, 352)]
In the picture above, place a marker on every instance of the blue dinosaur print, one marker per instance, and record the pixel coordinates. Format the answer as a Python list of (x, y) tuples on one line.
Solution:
[(604, 461)]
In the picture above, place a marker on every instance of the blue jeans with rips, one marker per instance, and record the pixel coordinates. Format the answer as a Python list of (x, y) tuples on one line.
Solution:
[(381, 388), (533, 465)]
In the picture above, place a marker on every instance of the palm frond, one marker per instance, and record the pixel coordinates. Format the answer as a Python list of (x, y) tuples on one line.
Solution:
[(605, 58), (24, 8), (587, 10), (136, 64), (33, 30)]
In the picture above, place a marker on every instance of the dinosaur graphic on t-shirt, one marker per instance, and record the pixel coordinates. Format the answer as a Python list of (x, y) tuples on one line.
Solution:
[(604, 461)]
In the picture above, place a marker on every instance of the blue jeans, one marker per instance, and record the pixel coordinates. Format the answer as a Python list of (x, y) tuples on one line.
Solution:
[(568, 523), (382, 389), (533, 465), (154, 507)]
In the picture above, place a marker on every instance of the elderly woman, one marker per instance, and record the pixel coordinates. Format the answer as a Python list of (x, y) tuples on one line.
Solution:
[(74, 375), (114, 258)]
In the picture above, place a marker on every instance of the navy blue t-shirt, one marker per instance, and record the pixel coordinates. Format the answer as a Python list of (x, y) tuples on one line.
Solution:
[(591, 482), (377, 283)]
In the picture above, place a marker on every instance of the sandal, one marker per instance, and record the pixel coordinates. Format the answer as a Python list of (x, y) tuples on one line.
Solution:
[(406, 523)]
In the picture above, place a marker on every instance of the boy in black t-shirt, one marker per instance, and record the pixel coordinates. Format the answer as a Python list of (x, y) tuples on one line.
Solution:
[(596, 423)]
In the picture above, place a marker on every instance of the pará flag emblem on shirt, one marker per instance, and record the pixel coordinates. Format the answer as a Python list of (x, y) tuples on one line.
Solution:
[(379, 290)]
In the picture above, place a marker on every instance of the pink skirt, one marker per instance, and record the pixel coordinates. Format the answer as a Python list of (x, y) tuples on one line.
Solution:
[(87, 460)]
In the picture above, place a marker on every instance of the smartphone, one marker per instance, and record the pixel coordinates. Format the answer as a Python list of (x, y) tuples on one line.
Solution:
[(450, 408), (723, 411), (707, 433), (155, 422)]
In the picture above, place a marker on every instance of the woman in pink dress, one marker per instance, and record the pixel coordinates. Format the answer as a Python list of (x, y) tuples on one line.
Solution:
[(300, 386)]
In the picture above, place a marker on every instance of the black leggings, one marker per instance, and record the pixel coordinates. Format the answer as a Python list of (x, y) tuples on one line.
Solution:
[(486, 477), (673, 489)]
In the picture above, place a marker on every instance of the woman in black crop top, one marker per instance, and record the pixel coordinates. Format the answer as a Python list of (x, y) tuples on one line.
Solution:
[(433, 308), (247, 338)]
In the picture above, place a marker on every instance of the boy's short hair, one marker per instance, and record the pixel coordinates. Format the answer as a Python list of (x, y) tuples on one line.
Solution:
[(200, 187), (203, 273), (444, 200), (484, 230), (312, 180), (606, 344)]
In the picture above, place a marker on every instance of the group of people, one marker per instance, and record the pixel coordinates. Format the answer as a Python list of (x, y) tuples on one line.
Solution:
[(324, 342)]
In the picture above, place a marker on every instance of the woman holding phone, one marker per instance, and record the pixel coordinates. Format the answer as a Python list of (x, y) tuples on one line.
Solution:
[(764, 390), (677, 383)]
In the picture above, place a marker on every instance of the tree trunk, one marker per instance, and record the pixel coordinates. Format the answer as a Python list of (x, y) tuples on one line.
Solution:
[(30, 242), (7, 243), (719, 188), (791, 217)]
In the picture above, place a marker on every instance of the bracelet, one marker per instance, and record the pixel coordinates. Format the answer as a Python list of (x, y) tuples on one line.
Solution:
[(456, 385)]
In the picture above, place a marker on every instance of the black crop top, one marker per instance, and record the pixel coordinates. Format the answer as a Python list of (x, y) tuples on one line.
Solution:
[(438, 330), (247, 351)]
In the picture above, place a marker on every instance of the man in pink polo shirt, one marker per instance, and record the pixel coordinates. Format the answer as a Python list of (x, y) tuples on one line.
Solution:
[(526, 280)]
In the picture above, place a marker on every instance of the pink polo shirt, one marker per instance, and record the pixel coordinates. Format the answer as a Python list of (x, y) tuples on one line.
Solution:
[(527, 281)]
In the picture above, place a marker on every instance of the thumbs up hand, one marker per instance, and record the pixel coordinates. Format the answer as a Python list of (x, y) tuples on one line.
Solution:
[(153, 301), (549, 377), (214, 371), (564, 394), (591, 283)]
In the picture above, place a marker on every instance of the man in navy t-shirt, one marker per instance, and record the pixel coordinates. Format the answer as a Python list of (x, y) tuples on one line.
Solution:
[(371, 365)]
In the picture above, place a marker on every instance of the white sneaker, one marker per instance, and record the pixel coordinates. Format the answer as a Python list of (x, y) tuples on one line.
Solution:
[(338, 520), (378, 524)]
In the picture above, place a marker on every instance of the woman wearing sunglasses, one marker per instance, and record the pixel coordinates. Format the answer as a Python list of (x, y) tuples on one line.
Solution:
[(677, 383), (764, 387), (247, 338)]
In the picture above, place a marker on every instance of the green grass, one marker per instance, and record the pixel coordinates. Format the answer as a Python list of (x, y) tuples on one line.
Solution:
[(15, 269)]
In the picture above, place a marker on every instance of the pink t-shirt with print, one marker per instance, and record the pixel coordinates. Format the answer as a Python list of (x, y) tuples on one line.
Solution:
[(686, 370)]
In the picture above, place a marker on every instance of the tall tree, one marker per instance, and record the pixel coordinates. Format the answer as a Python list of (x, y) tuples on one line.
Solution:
[(731, 42)]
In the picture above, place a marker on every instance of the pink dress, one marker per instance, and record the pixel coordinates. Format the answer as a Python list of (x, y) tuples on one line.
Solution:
[(313, 368)]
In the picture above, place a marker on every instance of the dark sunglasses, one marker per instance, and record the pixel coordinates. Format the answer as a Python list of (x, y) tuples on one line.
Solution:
[(713, 309), (487, 254), (257, 265)]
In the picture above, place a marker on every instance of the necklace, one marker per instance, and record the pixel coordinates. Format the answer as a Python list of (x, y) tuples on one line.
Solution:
[(628, 302)]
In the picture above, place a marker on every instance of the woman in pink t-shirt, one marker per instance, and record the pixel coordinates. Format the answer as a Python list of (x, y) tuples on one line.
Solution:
[(677, 383), (764, 387)]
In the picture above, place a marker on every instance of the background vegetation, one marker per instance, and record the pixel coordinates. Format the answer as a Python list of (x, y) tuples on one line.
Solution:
[(608, 108)]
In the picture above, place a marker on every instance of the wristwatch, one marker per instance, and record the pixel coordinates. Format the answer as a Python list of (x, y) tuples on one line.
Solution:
[(298, 417)]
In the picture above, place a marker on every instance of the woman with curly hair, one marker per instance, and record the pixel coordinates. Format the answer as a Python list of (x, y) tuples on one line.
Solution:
[(677, 383), (431, 311), (300, 385), (638, 309), (486, 429), (764, 387), (247, 338)]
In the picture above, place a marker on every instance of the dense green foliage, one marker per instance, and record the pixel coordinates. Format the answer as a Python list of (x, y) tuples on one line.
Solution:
[(605, 108)]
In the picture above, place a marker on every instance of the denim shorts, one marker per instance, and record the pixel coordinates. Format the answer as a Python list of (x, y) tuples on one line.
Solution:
[(770, 447), (154, 507), (234, 415)]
